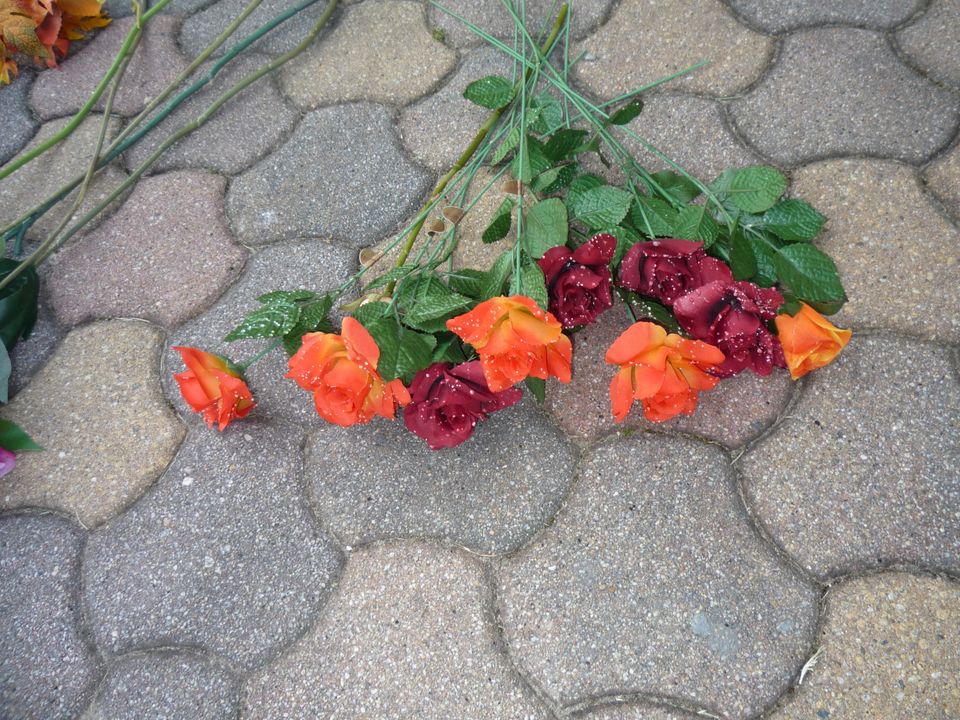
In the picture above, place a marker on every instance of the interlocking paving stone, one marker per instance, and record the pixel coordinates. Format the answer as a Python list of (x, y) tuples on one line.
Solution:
[(166, 685), (16, 122), (882, 230), (777, 16), (47, 670), (843, 91), (866, 471), (34, 182), (933, 42), (29, 355), (491, 493), (633, 711), (312, 265), (890, 650), (642, 43), (409, 633), (401, 66), (651, 580), (167, 253), (97, 410), (156, 63), (943, 179), (340, 174), (242, 132), (734, 412), (223, 553)]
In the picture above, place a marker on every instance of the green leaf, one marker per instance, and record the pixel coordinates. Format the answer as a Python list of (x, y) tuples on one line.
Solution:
[(448, 349), (600, 207), (533, 160), (695, 223), (743, 263), (499, 227), (578, 186), (680, 188), (313, 318), (753, 189), (428, 303), (391, 275), (369, 313), (809, 273), (550, 115), (533, 284), (537, 387), (555, 179), (827, 307), (403, 352), (492, 92), (546, 227), (18, 303), (563, 143), (793, 220), (467, 281), (509, 143), (14, 439), (653, 217), (5, 369), (497, 275), (627, 113), (275, 319), (289, 295), (647, 309), (766, 275)]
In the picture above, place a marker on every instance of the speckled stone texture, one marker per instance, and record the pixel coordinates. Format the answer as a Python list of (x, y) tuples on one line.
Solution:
[(16, 122), (777, 16), (97, 409), (491, 494), (340, 175), (933, 42), (243, 131), (408, 634), (843, 91), (156, 63), (898, 256), (943, 180), (166, 685), (734, 412), (642, 43), (651, 580), (47, 670), (866, 471), (222, 554), (633, 711), (166, 254), (399, 67), (890, 649), (29, 355)]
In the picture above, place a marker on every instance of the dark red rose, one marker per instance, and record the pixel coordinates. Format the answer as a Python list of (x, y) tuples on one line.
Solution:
[(448, 401), (578, 282), (733, 316), (666, 269)]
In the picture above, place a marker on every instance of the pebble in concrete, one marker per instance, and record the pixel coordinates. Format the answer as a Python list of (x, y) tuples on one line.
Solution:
[(888, 650), (933, 42), (16, 123), (651, 580), (408, 634), (223, 553), (843, 91), (97, 410), (341, 174), (633, 711), (898, 256), (778, 16), (866, 472), (401, 66), (943, 180), (164, 256), (47, 670)]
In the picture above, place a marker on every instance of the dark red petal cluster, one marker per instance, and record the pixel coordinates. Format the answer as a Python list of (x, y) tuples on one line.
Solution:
[(668, 269), (448, 401), (579, 282)]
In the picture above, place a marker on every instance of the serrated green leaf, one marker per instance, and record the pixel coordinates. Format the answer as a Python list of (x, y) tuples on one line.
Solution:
[(537, 387), (793, 220), (448, 349), (369, 313), (533, 160), (274, 319), (743, 263), (290, 295), (392, 275), (653, 217), (546, 227), (695, 223), (550, 115), (497, 275), (14, 438), (627, 113), (499, 226), (753, 189), (680, 188), (467, 281), (533, 284), (492, 91), (562, 144), (599, 207), (509, 143), (564, 176), (313, 318), (403, 352), (18, 303), (430, 304), (766, 275), (809, 273)]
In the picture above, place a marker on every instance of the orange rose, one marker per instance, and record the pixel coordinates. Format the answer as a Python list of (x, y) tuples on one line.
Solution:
[(341, 372), (663, 371), (515, 339), (809, 340), (212, 388)]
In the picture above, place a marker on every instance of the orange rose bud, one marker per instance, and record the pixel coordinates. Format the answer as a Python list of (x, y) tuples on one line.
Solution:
[(212, 388), (515, 340), (809, 340), (341, 372), (665, 372)]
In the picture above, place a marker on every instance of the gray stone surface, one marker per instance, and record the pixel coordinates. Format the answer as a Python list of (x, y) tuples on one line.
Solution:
[(633, 711), (943, 180), (97, 409), (843, 91), (29, 355), (889, 650), (47, 670), (164, 256), (166, 685), (340, 175), (491, 494), (885, 233), (866, 471), (156, 63), (16, 121), (223, 554), (651, 580), (243, 131), (933, 42), (777, 16), (408, 634)]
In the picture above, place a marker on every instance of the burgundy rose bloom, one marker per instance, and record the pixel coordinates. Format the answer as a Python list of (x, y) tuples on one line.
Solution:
[(578, 282), (666, 269), (733, 316), (447, 403)]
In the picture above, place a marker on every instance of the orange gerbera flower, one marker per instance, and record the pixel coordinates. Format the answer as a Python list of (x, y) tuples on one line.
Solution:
[(809, 340), (663, 371), (515, 339), (341, 372), (212, 388)]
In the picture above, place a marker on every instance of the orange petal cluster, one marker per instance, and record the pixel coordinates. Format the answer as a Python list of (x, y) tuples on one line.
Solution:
[(665, 372), (515, 340), (212, 388), (809, 340), (341, 372)]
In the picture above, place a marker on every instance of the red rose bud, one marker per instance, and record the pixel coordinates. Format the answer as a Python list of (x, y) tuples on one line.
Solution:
[(667, 269), (448, 402), (733, 316), (578, 282)]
